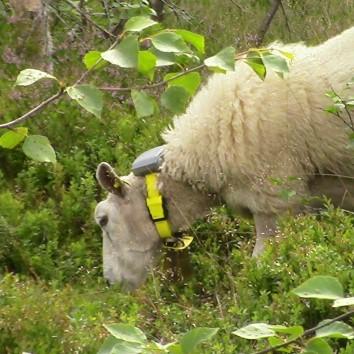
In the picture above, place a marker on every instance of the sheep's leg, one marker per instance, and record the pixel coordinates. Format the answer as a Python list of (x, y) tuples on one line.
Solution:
[(266, 228)]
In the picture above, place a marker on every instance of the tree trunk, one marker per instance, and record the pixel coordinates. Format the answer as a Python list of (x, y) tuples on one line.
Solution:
[(34, 43), (22, 6)]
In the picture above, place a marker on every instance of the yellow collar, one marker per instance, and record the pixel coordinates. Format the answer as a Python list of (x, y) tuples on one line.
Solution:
[(158, 213)]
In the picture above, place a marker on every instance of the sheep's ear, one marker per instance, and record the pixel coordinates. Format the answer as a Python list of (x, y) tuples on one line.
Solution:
[(108, 179)]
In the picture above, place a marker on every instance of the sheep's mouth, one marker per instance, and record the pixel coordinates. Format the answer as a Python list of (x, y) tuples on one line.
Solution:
[(108, 236)]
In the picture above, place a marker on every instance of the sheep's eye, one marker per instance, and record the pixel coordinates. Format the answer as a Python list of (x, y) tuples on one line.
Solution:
[(103, 221)]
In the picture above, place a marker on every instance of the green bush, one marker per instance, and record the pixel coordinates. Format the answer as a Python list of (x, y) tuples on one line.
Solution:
[(227, 290)]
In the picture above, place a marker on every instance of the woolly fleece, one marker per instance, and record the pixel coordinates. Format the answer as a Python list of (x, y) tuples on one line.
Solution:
[(240, 132)]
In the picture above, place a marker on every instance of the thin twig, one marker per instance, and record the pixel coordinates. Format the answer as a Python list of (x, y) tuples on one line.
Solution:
[(349, 115), (106, 11), (266, 22), (56, 13), (83, 12), (32, 112), (306, 333), (238, 5), (331, 175), (152, 86), (344, 121), (286, 18), (178, 11), (89, 19), (219, 305)]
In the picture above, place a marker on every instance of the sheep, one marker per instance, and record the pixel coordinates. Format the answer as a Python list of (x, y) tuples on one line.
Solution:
[(237, 139)]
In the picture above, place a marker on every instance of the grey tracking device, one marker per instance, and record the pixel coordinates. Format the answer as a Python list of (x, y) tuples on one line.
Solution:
[(149, 161)]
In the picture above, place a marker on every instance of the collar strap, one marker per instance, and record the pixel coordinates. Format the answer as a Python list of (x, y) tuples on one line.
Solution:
[(158, 213), (156, 208)]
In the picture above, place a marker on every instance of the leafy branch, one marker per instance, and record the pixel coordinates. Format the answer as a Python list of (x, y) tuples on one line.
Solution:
[(155, 85), (321, 287), (166, 80), (144, 46), (307, 333), (343, 105), (89, 19), (126, 338), (30, 76)]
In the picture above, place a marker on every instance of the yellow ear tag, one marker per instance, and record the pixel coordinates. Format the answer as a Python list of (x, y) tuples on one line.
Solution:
[(179, 243)]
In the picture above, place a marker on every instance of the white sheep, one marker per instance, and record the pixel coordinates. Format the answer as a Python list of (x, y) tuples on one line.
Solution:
[(242, 141)]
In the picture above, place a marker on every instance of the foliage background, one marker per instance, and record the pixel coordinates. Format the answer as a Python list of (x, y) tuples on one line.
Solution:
[(52, 296)]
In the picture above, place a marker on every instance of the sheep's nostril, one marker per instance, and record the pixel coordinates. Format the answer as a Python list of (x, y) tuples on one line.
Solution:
[(103, 221)]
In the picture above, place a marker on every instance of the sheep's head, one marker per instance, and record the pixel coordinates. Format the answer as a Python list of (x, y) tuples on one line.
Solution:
[(130, 240)]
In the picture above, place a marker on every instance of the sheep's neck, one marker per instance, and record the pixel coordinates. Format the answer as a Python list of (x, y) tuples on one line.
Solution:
[(184, 204)]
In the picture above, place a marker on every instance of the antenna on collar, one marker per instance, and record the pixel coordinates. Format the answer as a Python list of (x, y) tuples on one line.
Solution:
[(148, 162)]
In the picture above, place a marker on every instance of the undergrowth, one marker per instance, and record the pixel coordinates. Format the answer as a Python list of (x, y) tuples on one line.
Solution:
[(228, 289)]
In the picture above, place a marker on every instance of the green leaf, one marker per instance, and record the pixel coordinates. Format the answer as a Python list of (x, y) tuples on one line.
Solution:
[(349, 103), (163, 58), (147, 63), (275, 62), (87, 96), (154, 347), (255, 331), (175, 99), (138, 23), (174, 348), (37, 147), (320, 287), (126, 332), (12, 138), (334, 109), (255, 62), (108, 345), (190, 82), (169, 42), (337, 329), (143, 103), (30, 76), (294, 331), (287, 55), (128, 9), (318, 346), (224, 60), (332, 95), (124, 347), (196, 336), (274, 341), (350, 146), (186, 59), (346, 301), (91, 58), (195, 39), (125, 54)]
